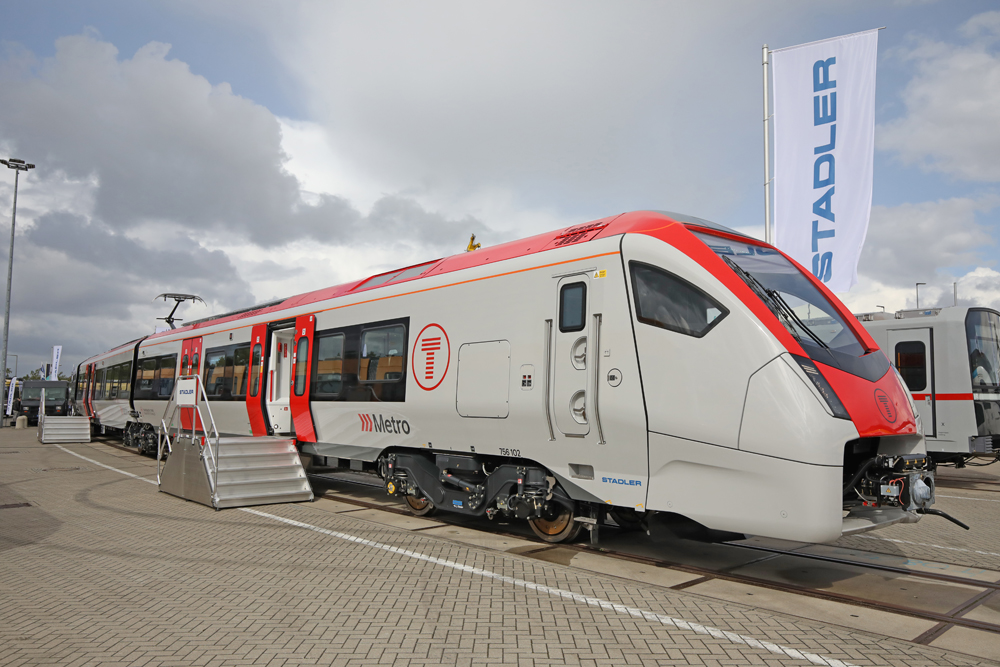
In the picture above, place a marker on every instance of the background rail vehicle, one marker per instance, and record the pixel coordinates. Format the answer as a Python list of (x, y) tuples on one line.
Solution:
[(950, 361), (643, 362)]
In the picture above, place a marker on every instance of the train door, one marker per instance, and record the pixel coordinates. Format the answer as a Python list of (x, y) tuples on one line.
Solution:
[(569, 357), (88, 391), (912, 352), (255, 392), (301, 376), (279, 379), (190, 365)]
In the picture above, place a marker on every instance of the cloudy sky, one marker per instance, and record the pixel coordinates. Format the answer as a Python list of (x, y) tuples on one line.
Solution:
[(250, 150)]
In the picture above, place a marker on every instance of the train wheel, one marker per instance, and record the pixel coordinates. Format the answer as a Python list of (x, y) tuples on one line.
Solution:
[(626, 518), (557, 524), (420, 506)]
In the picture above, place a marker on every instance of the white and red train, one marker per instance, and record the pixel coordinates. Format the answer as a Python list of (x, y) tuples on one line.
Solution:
[(950, 361), (646, 362)]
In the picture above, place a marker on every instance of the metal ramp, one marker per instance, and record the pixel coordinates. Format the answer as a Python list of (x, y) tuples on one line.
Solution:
[(62, 428), (224, 472)]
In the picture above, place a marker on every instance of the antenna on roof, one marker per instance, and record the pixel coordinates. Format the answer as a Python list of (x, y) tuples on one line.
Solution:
[(179, 298), (473, 245)]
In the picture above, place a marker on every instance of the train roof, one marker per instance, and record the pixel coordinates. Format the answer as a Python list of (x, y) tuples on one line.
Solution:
[(623, 223)]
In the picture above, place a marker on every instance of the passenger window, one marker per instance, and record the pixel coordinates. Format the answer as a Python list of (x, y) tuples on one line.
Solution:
[(329, 372), (669, 302), (165, 376), (215, 373), (301, 365), (146, 376), (572, 307), (382, 353), (241, 359), (125, 380), (98, 385), (911, 362), (184, 365), (255, 371)]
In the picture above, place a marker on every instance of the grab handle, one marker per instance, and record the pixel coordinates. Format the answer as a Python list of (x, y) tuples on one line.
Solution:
[(597, 377), (548, 379)]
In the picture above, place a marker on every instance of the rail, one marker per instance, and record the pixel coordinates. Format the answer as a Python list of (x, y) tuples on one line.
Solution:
[(197, 421)]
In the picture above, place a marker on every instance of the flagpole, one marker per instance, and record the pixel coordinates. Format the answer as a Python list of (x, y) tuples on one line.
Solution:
[(767, 153)]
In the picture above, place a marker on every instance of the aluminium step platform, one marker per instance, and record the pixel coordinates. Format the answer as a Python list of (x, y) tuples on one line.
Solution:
[(252, 471), (63, 429)]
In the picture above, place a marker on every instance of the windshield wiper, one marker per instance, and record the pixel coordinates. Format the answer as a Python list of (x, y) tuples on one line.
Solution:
[(791, 313), (775, 303)]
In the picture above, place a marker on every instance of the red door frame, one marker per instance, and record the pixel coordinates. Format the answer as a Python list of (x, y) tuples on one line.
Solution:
[(88, 391), (189, 348), (255, 401), (305, 326)]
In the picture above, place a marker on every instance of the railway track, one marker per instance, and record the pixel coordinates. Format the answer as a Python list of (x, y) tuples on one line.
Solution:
[(979, 592)]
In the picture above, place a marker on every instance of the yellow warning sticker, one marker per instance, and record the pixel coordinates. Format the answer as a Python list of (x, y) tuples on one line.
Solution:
[(603, 273)]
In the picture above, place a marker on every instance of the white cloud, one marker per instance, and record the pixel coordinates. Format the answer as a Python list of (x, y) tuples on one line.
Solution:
[(581, 109), (937, 243), (952, 119), (914, 242), (151, 179)]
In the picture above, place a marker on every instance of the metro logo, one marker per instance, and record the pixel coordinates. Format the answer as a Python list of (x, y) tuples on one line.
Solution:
[(379, 424), (431, 357)]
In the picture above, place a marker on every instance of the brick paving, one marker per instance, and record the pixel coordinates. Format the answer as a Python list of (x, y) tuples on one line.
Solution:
[(936, 539), (103, 570)]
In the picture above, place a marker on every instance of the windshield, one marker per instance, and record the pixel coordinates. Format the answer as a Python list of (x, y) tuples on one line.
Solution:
[(982, 329), (51, 393), (803, 310)]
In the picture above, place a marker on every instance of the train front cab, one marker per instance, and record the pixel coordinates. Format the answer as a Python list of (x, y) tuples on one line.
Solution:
[(765, 398)]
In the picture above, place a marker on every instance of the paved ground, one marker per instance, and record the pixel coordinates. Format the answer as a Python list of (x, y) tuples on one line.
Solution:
[(937, 539), (100, 569)]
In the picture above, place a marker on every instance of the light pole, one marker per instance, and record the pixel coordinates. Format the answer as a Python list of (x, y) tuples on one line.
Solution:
[(918, 294), (18, 166)]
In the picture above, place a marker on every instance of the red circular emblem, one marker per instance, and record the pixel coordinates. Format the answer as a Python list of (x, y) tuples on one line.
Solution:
[(885, 406), (431, 357)]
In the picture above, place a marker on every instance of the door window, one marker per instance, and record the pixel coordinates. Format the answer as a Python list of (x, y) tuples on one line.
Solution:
[(255, 371), (301, 365), (911, 362), (669, 302), (572, 307)]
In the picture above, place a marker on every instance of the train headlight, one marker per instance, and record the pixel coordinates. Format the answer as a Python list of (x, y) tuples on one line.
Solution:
[(824, 388)]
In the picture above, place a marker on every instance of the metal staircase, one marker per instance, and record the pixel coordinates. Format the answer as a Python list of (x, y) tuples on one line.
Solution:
[(224, 472)]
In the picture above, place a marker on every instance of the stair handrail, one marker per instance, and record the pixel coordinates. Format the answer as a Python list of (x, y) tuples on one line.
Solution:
[(161, 438), (213, 451), (166, 423)]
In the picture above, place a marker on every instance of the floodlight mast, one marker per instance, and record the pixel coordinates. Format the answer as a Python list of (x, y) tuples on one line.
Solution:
[(18, 166), (179, 299)]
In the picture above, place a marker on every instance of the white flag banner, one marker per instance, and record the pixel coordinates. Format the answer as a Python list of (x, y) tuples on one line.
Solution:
[(10, 396), (56, 355), (824, 147)]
